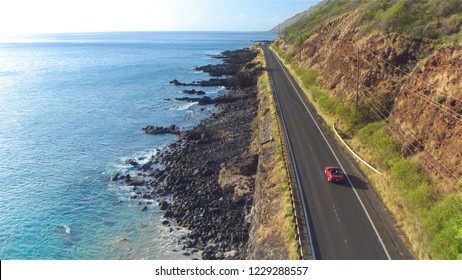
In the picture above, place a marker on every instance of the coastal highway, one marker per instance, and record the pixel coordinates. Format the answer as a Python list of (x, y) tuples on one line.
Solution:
[(348, 220)]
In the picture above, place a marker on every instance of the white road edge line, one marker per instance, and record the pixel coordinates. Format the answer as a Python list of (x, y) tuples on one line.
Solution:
[(297, 177), (338, 161)]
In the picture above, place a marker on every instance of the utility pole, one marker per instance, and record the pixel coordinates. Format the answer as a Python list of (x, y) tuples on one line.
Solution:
[(357, 79), (300, 47)]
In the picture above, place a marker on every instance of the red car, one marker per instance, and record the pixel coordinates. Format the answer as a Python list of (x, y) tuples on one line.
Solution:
[(334, 174)]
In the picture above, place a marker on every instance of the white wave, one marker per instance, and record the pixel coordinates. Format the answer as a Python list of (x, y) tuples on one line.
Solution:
[(183, 107), (220, 89), (66, 228)]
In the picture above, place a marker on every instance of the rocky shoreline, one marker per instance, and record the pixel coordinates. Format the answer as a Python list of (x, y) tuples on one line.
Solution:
[(205, 181)]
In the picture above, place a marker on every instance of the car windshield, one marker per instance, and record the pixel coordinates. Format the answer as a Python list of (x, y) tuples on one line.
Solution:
[(336, 171)]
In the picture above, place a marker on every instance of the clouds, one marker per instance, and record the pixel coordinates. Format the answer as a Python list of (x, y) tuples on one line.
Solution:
[(242, 16)]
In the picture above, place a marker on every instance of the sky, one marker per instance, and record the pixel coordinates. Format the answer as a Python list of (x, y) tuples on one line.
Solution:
[(65, 16)]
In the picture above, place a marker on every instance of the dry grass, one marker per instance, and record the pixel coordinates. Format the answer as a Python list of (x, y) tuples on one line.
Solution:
[(275, 228)]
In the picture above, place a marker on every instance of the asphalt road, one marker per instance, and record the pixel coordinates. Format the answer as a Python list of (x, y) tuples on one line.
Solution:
[(348, 220)]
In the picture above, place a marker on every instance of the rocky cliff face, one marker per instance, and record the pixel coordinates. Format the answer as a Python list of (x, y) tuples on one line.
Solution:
[(430, 107), (410, 83)]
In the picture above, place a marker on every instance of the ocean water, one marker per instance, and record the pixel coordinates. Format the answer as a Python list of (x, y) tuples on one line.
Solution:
[(72, 109)]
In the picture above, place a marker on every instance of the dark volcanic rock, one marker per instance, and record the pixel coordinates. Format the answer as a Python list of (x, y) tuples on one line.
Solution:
[(193, 91), (208, 83), (202, 100), (234, 62), (218, 70), (214, 83), (216, 216), (173, 129), (246, 165), (199, 203), (207, 100), (163, 205), (177, 83)]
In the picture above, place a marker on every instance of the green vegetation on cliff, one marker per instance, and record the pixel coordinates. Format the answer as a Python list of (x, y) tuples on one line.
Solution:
[(426, 19), (304, 28)]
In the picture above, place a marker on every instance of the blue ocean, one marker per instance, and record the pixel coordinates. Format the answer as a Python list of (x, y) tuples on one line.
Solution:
[(72, 109)]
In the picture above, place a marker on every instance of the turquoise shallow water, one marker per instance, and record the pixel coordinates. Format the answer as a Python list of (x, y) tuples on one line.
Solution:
[(71, 111)]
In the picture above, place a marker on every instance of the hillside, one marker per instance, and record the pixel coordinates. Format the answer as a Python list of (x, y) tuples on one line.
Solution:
[(300, 16), (290, 21), (402, 60)]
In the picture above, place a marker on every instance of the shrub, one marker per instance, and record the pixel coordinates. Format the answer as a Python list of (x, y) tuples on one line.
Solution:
[(383, 148), (443, 222), (406, 174), (288, 57), (429, 19), (441, 99), (309, 77), (317, 15)]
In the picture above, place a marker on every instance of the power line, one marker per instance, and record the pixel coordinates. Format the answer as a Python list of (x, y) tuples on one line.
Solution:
[(389, 113), (437, 105), (387, 119), (451, 112), (410, 75), (413, 136), (397, 134), (403, 85), (334, 11), (402, 139), (397, 130)]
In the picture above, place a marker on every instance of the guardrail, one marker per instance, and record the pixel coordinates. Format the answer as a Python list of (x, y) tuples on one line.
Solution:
[(303, 246), (290, 178)]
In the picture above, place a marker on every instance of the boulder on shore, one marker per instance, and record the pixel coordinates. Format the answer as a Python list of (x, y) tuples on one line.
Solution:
[(151, 129), (193, 91)]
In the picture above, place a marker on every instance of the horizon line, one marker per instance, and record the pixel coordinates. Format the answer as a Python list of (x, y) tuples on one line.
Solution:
[(132, 31)]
